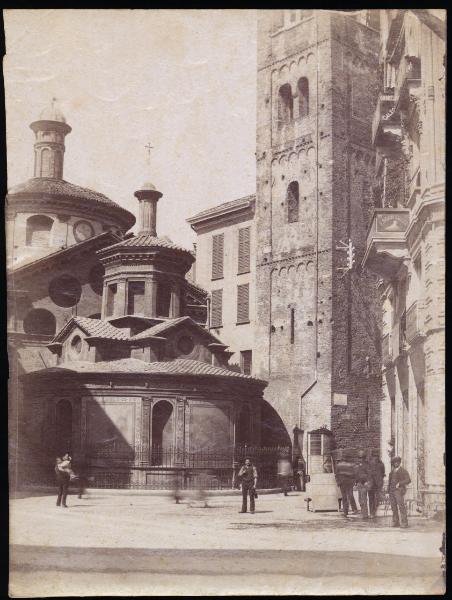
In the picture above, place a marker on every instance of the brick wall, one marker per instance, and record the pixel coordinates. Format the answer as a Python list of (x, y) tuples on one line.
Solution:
[(339, 57)]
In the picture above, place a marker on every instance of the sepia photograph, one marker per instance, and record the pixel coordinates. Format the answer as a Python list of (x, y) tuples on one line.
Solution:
[(225, 264)]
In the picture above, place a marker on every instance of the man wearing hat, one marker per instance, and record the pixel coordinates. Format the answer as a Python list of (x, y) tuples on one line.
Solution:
[(398, 480)]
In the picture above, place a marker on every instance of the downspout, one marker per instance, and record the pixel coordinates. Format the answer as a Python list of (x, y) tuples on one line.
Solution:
[(316, 287)]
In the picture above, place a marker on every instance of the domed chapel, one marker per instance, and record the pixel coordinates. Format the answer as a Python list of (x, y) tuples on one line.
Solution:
[(142, 394)]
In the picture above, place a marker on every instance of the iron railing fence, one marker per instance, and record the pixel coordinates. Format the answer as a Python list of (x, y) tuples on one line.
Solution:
[(169, 468)]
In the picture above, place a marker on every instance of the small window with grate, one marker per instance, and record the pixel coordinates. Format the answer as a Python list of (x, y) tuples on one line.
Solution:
[(217, 256), (243, 303), (244, 250), (216, 309)]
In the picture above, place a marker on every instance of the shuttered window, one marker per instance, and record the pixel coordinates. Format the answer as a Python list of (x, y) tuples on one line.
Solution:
[(246, 358), (243, 303), (217, 256), (216, 309), (244, 250)]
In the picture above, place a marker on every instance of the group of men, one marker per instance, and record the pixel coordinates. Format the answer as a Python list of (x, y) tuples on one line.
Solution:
[(368, 476)]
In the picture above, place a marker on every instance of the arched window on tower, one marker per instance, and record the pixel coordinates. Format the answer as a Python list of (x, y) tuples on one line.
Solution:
[(293, 200), (45, 162), (285, 104), (58, 166), (38, 231), (303, 97)]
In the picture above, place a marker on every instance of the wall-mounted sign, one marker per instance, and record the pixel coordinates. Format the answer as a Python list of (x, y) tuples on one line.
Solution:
[(393, 221), (339, 399)]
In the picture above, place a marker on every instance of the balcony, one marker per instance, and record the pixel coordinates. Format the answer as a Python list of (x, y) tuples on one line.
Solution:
[(413, 330), (386, 349), (386, 247), (386, 121), (408, 78)]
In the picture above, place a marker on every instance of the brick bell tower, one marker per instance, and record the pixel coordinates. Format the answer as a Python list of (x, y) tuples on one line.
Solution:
[(317, 326)]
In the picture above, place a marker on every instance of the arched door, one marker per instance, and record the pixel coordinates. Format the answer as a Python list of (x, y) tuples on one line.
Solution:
[(162, 432)]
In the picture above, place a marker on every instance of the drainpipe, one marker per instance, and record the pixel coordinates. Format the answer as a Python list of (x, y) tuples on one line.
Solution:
[(316, 288)]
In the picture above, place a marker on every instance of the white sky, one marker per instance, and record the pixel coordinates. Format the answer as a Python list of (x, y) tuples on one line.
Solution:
[(184, 80)]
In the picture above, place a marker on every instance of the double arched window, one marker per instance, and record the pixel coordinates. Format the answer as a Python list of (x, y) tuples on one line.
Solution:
[(286, 102), (38, 231)]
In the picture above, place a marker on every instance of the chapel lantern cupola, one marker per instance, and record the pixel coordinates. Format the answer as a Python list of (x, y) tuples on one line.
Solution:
[(50, 131), (148, 197)]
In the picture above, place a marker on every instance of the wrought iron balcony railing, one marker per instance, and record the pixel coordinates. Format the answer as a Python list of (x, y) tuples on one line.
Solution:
[(413, 323), (385, 119)]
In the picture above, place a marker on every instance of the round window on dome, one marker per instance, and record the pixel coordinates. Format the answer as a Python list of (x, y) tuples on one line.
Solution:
[(76, 344), (185, 344), (65, 291)]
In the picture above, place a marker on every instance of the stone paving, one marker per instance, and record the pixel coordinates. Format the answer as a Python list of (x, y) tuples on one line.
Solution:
[(144, 544)]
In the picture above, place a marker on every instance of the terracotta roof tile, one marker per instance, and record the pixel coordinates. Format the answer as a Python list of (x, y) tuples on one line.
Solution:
[(159, 328), (146, 240), (101, 329), (133, 365)]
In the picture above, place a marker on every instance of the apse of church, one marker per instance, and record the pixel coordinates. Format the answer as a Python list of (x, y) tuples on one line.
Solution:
[(144, 392)]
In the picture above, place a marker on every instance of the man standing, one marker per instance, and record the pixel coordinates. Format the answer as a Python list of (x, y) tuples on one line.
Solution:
[(284, 474), (377, 471), (63, 475), (398, 480), (248, 478), (364, 483), (345, 477)]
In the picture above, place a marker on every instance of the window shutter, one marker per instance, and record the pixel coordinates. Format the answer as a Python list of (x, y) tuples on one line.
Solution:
[(243, 303), (217, 256), (216, 309), (246, 360), (244, 250)]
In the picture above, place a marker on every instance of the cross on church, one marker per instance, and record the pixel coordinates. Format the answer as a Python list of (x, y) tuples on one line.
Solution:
[(149, 148)]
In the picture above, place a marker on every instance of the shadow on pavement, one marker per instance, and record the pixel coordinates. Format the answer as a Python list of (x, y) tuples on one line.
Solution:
[(380, 523), (210, 561)]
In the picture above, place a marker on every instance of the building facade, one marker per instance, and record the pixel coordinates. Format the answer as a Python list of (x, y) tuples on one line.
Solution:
[(405, 243), (109, 355), (317, 326), (225, 250)]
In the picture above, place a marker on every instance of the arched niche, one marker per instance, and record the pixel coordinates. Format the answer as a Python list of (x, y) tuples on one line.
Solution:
[(161, 430), (38, 230)]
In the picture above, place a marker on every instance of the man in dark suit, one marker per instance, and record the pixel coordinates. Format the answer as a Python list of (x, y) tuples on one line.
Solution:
[(345, 477), (398, 480), (248, 478)]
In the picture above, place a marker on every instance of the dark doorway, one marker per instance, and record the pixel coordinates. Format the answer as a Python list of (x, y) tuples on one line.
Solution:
[(243, 432)]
